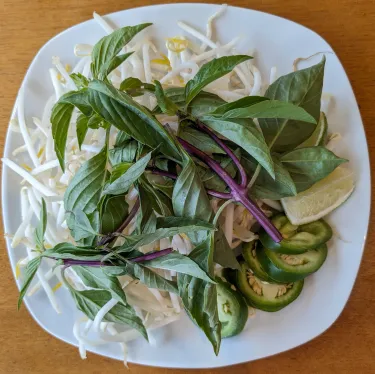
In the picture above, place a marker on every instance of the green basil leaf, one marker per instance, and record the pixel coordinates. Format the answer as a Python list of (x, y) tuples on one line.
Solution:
[(160, 203), (180, 264), (162, 184), (123, 153), (119, 169), (200, 140), (145, 212), (200, 297), (79, 80), (82, 226), (94, 219), (266, 187), (320, 134), (211, 180), (211, 71), (91, 301), (60, 119), (302, 88), (81, 129), (200, 302), (120, 110), (271, 109), (41, 227), (95, 277), (113, 64), (240, 103), (150, 224), (110, 46), (135, 87), (166, 105), (190, 198), (246, 135), (114, 210), (94, 122), (181, 225), (150, 278), (65, 251), (31, 269), (85, 189), (124, 182), (309, 165), (223, 253)]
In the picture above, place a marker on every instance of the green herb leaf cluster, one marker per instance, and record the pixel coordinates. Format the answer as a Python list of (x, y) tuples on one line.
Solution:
[(177, 199)]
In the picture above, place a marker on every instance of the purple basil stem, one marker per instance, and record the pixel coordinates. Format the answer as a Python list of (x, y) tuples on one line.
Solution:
[(69, 262), (227, 150), (238, 193), (152, 255), (106, 239)]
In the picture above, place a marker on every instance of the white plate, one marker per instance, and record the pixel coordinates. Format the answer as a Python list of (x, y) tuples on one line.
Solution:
[(278, 42)]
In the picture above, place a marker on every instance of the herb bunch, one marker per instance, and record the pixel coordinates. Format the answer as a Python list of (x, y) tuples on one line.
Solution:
[(241, 151)]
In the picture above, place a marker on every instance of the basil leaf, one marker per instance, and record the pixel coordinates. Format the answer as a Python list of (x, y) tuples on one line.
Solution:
[(119, 169), (160, 203), (113, 64), (90, 240), (41, 227), (82, 226), (200, 297), (145, 212), (309, 165), (245, 134), (120, 110), (81, 128), (124, 182), (135, 87), (211, 180), (240, 103), (190, 198), (65, 251), (223, 253), (91, 301), (271, 109), (200, 140), (31, 269), (166, 186), (179, 226), (110, 46), (266, 187), (84, 191), (211, 71), (302, 88), (114, 210), (79, 80), (150, 278), (200, 302), (150, 224), (95, 277), (165, 104), (60, 119), (320, 134), (94, 122), (180, 264), (126, 152)]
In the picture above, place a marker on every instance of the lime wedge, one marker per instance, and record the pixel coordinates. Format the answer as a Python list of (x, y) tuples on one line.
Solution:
[(319, 135), (320, 199)]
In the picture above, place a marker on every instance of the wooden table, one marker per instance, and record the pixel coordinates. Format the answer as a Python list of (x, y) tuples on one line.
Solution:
[(348, 346)]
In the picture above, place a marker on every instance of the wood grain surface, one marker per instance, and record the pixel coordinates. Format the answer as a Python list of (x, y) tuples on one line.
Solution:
[(348, 346)]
